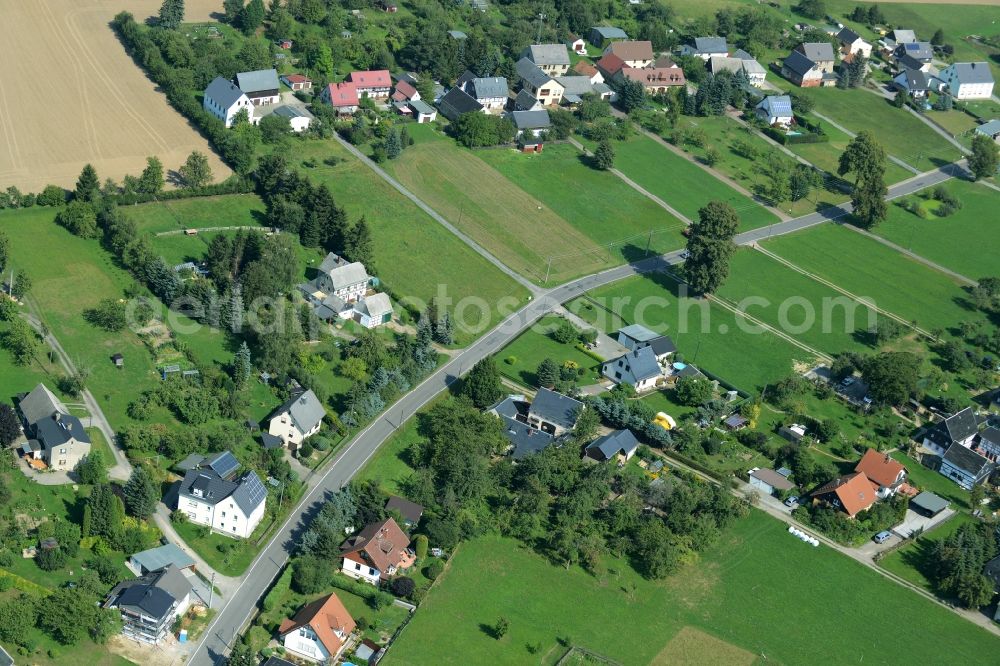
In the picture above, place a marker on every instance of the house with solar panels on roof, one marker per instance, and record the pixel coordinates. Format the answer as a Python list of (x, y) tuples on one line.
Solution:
[(776, 111), (216, 494)]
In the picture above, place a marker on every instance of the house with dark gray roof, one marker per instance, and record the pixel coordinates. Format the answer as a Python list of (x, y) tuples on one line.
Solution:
[(601, 36), (618, 445), (260, 86), (775, 110), (297, 419), (542, 87), (958, 429), (525, 101), (224, 100), (553, 59), (409, 511), (157, 558), (56, 439), (921, 52), (916, 83), (990, 129), (150, 604), (820, 53), (553, 412), (232, 506), (637, 368), (575, 87), (489, 91), (968, 80), (637, 336), (706, 47), (989, 443), (965, 467), (455, 102), (806, 73)]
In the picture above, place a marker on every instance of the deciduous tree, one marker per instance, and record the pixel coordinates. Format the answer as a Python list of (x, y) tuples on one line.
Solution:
[(710, 247), (172, 14), (195, 171), (865, 158), (604, 156), (984, 158)]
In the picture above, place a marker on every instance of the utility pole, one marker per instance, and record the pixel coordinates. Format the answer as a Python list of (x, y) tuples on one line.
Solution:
[(649, 241), (211, 590), (538, 37)]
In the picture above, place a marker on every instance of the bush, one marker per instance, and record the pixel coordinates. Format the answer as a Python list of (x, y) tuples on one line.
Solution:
[(403, 586), (510, 360), (305, 450), (434, 569)]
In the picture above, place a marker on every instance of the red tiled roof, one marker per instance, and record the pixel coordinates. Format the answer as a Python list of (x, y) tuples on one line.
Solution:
[(342, 94), (378, 78), (383, 544), (610, 64), (584, 68), (879, 467), (855, 492), (326, 616), (296, 78), (404, 92), (632, 50)]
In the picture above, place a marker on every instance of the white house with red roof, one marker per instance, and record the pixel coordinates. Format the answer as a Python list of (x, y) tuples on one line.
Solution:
[(297, 81), (375, 84), (343, 97), (378, 552)]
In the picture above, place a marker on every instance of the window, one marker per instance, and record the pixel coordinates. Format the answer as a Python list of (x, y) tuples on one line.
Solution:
[(372, 572), (223, 514), (357, 567), (62, 451)]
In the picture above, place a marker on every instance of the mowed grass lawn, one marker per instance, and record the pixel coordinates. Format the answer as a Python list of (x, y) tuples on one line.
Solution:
[(903, 135), (414, 255), (967, 241), (705, 333), (519, 360), (826, 155), (682, 184), (796, 304), (230, 210), (869, 269), (915, 561), (926, 478), (757, 589)]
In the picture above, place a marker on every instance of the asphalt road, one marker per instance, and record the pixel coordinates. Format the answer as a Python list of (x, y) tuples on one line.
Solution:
[(239, 607)]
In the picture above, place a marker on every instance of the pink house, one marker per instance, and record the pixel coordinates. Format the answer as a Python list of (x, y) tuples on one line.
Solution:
[(375, 84), (343, 97)]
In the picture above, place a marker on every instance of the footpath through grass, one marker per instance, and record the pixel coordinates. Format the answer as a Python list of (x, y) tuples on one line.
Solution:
[(867, 268), (758, 589), (967, 241)]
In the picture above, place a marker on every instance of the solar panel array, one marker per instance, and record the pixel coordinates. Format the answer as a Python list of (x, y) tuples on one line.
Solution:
[(253, 490), (224, 464)]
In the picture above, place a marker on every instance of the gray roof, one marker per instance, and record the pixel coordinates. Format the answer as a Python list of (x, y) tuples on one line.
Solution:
[(269, 441), (331, 261), (223, 463), (348, 275), (420, 106), (548, 54), (710, 45), (639, 365), (457, 34), (957, 427), (916, 50), (531, 120), (512, 406), (58, 429), (972, 72), (798, 63), (991, 435), (526, 440), (261, 80), (525, 101), (411, 511), (662, 345), (772, 478), (153, 594), (289, 111), (305, 410), (489, 87), (903, 36), (966, 460), (930, 502), (743, 55), (555, 408), (609, 32), (776, 106), (847, 36), (250, 494), (376, 305), (193, 461), (610, 445), (914, 80), (40, 403), (725, 64), (157, 558), (816, 51), (575, 85), (206, 486), (223, 92), (456, 102), (529, 73), (637, 332)]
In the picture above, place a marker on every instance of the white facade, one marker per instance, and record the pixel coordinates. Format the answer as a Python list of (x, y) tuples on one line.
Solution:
[(228, 114), (858, 46), (980, 89), (304, 642), (360, 571), (282, 426), (225, 517)]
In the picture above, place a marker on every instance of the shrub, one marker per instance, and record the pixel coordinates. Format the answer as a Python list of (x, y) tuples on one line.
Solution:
[(403, 586), (305, 450), (434, 569), (510, 360)]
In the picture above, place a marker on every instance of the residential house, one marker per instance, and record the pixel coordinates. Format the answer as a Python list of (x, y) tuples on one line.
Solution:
[(916, 83), (150, 604), (531, 127), (375, 84), (373, 310), (753, 70), (990, 129), (852, 494), (921, 52), (609, 66), (525, 101), (222, 499), (768, 481), (851, 43), (965, 467), (637, 336), (347, 281), (490, 91), (456, 102), (56, 438), (297, 419), (409, 511), (805, 73), (960, 428), (157, 558), (377, 553), (587, 70), (706, 47), (575, 87), (343, 97), (421, 111), (619, 445), (989, 443), (654, 79), (319, 630), (637, 368), (882, 470), (601, 36), (540, 85), (260, 86), (894, 38), (633, 54), (820, 53), (577, 44), (776, 111), (793, 433), (553, 59), (297, 81), (404, 91), (224, 100), (968, 80), (524, 439), (298, 118), (553, 412)]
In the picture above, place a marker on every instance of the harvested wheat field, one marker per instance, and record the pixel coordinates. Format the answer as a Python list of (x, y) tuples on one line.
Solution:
[(71, 95)]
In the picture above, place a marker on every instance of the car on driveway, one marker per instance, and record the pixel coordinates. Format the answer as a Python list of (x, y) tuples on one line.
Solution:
[(882, 536), (792, 501)]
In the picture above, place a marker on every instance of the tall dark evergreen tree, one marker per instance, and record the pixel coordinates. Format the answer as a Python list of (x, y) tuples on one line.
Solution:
[(358, 245), (482, 385), (140, 494), (10, 426), (172, 14), (88, 185)]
